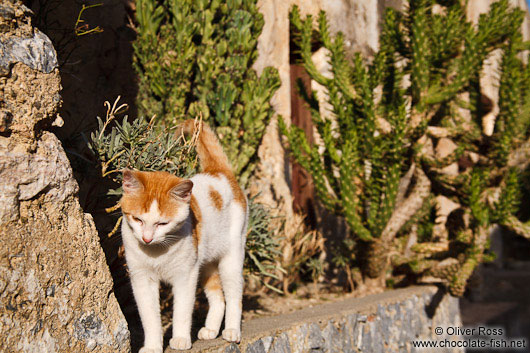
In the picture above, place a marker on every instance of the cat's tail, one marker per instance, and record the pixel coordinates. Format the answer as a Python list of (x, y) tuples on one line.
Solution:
[(213, 159)]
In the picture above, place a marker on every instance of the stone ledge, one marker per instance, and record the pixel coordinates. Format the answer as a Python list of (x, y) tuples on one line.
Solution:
[(385, 322)]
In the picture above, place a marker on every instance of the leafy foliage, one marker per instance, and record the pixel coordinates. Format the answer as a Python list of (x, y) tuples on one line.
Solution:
[(263, 249), (195, 58), (379, 168), (139, 145)]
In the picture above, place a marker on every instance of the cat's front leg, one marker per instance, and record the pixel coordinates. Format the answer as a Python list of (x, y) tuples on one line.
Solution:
[(184, 288), (146, 293)]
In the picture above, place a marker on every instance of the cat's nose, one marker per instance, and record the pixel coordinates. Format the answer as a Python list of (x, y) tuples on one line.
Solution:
[(147, 240)]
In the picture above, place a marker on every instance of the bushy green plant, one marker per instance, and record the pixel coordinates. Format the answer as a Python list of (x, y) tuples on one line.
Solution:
[(140, 145), (378, 167), (195, 57), (262, 247)]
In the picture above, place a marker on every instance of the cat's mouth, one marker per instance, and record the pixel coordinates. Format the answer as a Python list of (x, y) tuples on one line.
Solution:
[(166, 241), (171, 237), (152, 242)]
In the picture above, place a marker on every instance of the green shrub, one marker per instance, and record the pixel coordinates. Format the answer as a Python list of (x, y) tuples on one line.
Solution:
[(262, 247), (140, 145), (195, 57), (378, 168)]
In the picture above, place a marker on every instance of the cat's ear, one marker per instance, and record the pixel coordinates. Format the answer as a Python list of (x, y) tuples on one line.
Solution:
[(182, 191), (131, 183)]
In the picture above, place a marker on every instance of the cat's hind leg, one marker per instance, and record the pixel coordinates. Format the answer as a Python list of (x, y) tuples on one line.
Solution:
[(212, 288), (231, 273)]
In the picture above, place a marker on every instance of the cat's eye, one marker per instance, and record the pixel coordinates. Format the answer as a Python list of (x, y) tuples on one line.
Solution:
[(161, 223), (136, 219)]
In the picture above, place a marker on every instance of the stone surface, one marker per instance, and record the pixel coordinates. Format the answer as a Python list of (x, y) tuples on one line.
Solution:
[(385, 322), (271, 180), (56, 292), (37, 52), (19, 100), (24, 176)]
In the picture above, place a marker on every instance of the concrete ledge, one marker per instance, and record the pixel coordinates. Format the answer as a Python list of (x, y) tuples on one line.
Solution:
[(385, 322)]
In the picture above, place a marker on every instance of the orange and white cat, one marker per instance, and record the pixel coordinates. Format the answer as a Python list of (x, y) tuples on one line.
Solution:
[(177, 231)]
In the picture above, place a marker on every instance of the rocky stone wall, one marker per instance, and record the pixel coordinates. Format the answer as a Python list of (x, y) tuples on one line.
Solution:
[(56, 292), (385, 322)]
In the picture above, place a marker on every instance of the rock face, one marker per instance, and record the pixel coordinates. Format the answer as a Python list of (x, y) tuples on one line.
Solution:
[(36, 52), (55, 287)]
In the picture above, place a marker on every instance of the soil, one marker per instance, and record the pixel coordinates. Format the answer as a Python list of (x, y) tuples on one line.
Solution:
[(260, 305), (257, 305)]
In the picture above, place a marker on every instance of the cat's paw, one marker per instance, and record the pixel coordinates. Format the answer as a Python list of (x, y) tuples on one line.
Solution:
[(207, 334), (180, 343), (232, 335), (150, 350)]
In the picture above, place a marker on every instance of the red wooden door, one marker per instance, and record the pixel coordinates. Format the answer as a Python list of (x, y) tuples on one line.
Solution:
[(301, 182)]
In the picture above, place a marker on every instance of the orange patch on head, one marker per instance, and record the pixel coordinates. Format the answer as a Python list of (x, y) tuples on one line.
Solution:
[(152, 186), (216, 198)]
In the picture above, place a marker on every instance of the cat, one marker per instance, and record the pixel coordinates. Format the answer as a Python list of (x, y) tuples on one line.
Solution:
[(179, 230)]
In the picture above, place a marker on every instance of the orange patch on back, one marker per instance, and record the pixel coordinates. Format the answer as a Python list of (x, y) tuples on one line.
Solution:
[(213, 159), (216, 198), (239, 196), (196, 221)]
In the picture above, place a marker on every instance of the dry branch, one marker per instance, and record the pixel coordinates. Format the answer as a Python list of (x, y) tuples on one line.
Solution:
[(408, 207)]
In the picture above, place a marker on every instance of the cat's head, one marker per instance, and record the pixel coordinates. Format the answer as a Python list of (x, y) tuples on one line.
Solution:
[(155, 204)]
